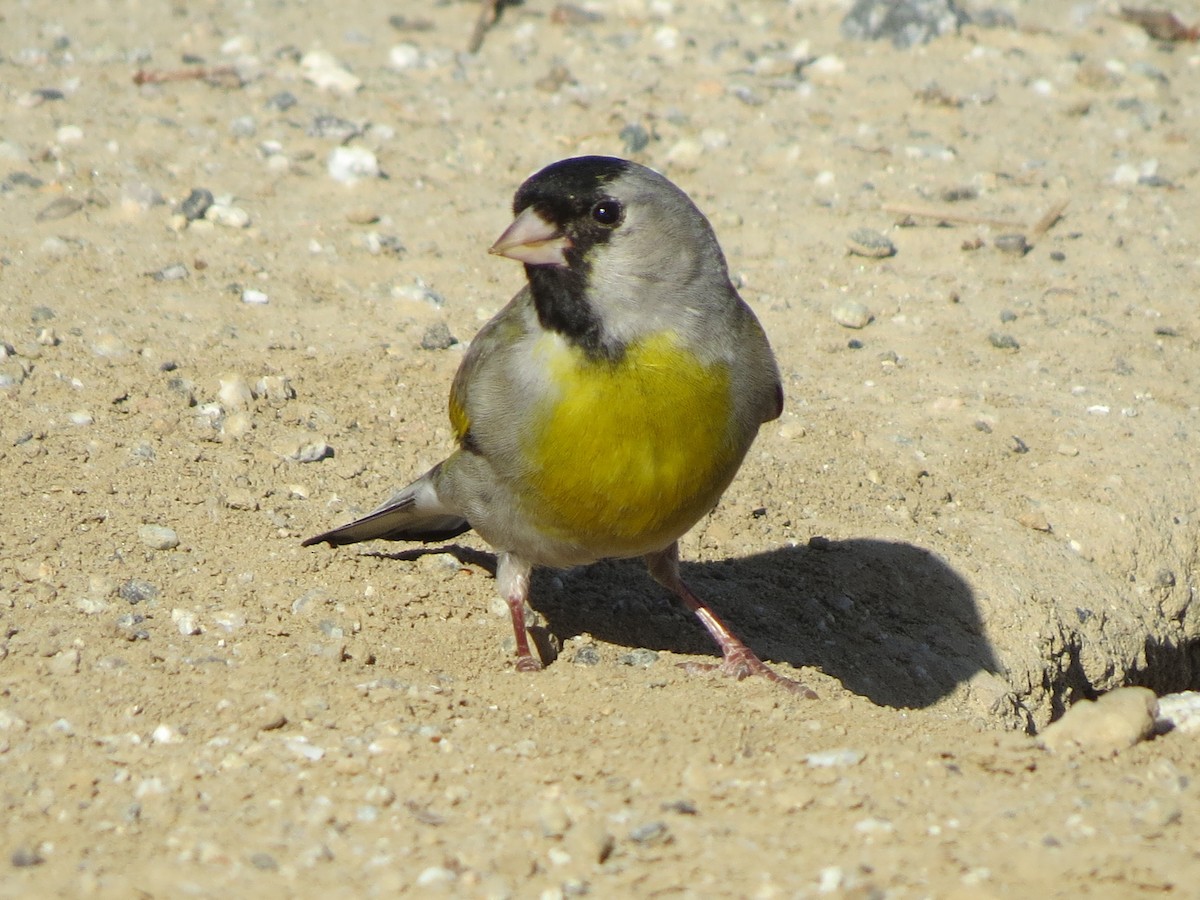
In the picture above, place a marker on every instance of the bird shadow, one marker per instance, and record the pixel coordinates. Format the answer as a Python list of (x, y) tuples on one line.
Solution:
[(890, 620)]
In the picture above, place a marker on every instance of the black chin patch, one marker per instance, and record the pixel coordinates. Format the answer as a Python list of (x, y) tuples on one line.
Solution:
[(560, 298)]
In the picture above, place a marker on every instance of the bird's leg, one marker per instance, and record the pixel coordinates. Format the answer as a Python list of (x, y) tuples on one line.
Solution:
[(738, 660), (512, 575)]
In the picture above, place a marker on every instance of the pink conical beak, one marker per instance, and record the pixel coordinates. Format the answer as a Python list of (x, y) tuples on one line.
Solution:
[(532, 240)]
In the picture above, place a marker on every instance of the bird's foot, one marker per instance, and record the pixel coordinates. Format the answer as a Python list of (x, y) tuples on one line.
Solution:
[(529, 663), (741, 663)]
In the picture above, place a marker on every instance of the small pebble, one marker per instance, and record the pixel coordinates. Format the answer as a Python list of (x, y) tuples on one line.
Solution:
[(243, 127), (158, 537), (870, 243), (1003, 341), (131, 627), (333, 127), (173, 272), (314, 452), (164, 734), (196, 204), (186, 621), (1113, 723), (840, 758), (587, 655), (438, 337), (59, 208), (320, 68), (905, 22), (281, 102), (80, 418), (275, 388), (24, 857), (228, 216), (1180, 712), (1014, 244), (650, 833), (255, 298), (136, 591), (640, 658), (404, 56), (234, 392), (634, 137), (302, 748), (351, 164), (852, 314)]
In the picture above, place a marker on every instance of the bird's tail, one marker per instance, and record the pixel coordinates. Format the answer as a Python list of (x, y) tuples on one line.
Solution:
[(415, 513)]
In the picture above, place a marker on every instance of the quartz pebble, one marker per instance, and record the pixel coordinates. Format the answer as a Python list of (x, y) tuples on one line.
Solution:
[(313, 452), (322, 69), (404, 56), (158, 537), (852, 314), (173, 272), (840, 758), (186, 621), (1113, 723), (255, 298), (351, 164), (228, 216), (234, 392), (1180, 712)]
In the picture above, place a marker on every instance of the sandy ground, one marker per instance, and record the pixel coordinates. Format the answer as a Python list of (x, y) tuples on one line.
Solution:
[(978, 508)]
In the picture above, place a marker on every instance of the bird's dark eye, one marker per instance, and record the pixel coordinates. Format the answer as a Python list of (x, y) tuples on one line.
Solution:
[(608, 212)]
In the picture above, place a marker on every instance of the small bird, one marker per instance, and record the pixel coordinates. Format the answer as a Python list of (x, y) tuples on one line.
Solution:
[(606, 408)]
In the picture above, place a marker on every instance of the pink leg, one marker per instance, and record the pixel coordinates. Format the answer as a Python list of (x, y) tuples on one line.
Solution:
[(739, 661), (512, 575)]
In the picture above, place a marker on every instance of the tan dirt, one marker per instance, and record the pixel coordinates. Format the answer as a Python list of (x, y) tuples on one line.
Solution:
[(977, 509)]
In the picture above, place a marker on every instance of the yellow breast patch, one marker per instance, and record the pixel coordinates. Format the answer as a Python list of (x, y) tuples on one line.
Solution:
[(629, 453)]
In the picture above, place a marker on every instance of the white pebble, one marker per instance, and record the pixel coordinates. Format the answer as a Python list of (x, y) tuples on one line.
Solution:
[(229, 216), (69, 134), (839, 758), (230, 620), (1180, 711), (1126, 174), (325, 72), (349, 164), (404, 56), (435, 875), (826, 65), (685, 154), (235, 392), (255, 298), (275, 387), (185, 620), (301, 747), (82, 417), (667, 38), (163, 734), (158, 537)]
